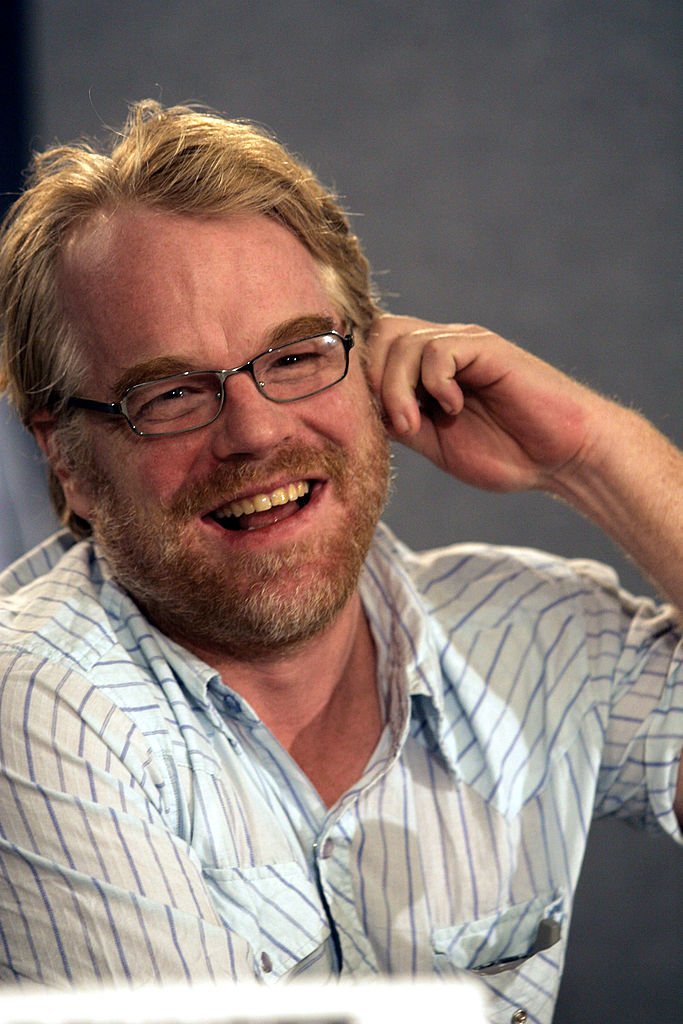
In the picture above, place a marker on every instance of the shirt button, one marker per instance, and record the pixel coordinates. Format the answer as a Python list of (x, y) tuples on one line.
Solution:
[(519, 1017), (266, 963), (232, 705)]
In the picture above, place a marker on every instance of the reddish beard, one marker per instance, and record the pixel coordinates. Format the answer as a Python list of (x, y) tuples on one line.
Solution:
[(251, 603)]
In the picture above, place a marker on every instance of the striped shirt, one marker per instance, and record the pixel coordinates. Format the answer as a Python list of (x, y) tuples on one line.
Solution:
[(153, 830)]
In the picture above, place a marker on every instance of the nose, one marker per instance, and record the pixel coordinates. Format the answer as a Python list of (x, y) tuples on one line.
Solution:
[(249, 424)]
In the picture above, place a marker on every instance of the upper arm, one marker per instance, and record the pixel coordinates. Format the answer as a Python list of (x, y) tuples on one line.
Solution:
[(641, 777)]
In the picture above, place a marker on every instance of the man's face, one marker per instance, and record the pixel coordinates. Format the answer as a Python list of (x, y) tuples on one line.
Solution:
[(153, 293)]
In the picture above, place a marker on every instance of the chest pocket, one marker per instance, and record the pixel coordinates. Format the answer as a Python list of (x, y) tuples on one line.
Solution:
[(517, 954), (276, 909)]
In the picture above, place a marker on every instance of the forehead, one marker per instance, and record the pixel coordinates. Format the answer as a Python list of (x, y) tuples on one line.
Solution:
[(139, 284)]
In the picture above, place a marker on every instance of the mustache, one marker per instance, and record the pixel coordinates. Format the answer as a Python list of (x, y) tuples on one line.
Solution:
[(232, 478)]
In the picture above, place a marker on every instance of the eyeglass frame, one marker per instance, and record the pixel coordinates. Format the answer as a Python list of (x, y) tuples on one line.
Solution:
[(120, 408)]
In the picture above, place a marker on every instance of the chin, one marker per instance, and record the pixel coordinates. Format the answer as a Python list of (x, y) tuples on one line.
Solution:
[(276, 605)]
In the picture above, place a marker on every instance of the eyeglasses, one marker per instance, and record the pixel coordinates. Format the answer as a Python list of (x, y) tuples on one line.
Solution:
[(189, 401)]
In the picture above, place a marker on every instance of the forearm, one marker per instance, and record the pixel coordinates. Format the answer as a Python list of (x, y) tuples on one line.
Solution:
[(630, 483)]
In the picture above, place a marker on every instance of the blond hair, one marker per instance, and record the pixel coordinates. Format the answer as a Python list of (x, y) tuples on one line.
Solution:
[(175, 159)]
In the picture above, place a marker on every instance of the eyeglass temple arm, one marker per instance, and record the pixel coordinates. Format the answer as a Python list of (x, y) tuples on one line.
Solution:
[(114, 408)]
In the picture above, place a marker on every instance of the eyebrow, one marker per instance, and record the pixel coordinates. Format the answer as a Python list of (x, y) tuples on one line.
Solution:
[(166, 366)]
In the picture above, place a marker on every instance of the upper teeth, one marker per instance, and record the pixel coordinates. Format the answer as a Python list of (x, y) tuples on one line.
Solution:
[(262, 502)]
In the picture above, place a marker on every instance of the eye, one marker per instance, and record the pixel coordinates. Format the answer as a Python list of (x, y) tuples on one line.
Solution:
[(298, 357), (161, 401), (168, 396), (177, 395), (286, 359)]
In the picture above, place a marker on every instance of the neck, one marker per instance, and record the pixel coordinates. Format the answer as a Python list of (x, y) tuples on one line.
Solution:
[(319, 700)]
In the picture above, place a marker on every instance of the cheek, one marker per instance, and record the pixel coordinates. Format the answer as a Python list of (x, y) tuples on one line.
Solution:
[(353, 412), (146, 471), (158, 475), (348, 402)]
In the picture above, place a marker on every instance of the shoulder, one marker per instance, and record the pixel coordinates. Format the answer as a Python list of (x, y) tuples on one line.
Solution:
[(56, 638), (81, 670), (53, 604), (490, 577), (465, 588)]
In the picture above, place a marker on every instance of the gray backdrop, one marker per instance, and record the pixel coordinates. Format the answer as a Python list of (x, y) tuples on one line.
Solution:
[(514, 164)]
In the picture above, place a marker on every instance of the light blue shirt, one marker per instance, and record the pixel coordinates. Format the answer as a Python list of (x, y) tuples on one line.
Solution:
[(153, 829)]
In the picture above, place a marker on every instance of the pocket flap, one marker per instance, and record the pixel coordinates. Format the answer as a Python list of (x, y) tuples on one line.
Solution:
[(500, 941)]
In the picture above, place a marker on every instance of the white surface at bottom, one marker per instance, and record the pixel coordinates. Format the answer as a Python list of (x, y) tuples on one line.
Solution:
[(302, 1003)]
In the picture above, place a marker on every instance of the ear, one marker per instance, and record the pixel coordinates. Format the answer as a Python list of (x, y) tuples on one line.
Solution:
[(76, 492)]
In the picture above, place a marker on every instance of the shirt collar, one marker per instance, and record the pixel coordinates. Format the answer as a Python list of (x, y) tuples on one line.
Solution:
[(407, 651)]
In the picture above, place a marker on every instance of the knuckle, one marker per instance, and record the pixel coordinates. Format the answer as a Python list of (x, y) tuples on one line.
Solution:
[(434, 347)]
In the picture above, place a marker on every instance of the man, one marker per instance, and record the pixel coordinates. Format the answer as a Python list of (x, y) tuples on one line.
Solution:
[(244, 732)]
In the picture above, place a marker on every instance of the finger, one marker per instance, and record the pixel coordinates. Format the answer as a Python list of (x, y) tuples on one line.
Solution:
[(424, 363), (383, 334), (438, 370), (399, 383)]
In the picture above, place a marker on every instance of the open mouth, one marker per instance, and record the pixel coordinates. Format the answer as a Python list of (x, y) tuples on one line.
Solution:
[(265, 508)]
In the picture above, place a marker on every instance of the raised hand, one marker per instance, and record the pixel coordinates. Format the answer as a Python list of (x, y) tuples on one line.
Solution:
[(479, 407)]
